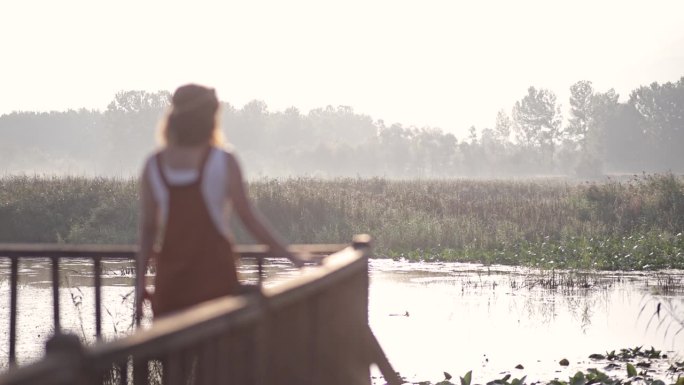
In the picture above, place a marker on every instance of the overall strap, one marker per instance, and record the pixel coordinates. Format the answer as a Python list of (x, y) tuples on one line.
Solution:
[(161, 169), (203, 164)]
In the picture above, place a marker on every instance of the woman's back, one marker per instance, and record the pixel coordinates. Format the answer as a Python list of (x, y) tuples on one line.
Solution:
[(196, 262), (181, 167), (177, 157)]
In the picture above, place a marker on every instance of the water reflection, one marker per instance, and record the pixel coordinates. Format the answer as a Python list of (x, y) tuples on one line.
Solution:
[(429, 317), (492, 319)]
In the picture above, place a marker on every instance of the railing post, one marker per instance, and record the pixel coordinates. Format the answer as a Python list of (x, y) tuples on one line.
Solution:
[(68, 348), (361, 241), (13, 311), (55, 294), (137, 315), (97, 270)]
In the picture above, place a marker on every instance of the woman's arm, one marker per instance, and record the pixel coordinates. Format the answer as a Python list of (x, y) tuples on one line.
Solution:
[(146, 236), (249, 216)]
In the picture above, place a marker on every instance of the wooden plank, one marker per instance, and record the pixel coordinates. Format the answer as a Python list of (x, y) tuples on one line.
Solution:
[(173, 369), (51, 370), (289, 341), (123, 372), (141, 371), (334, 268), (342, 316), (59, 249), (182, 329), (223, 342), (241, 360), (207, 364)]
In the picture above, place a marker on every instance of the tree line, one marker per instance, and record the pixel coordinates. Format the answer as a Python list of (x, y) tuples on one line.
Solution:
[(600, 135)]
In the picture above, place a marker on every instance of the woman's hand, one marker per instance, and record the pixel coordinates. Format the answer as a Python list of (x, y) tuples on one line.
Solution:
[(298, 262)]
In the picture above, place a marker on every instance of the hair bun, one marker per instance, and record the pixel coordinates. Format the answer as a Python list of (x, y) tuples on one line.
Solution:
[(191, 97), (192, 119)]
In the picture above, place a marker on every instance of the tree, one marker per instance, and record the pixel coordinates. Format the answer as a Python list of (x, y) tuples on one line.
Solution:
[(661, 107), (432, 152), (131, 120), (394, 150), (341, 125), (132, 102), (537, 120), (580, 111), (624, 143), (502, 127), (589, 114)]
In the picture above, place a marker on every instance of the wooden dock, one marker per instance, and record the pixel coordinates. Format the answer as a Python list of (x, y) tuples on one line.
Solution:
[(312, 329)]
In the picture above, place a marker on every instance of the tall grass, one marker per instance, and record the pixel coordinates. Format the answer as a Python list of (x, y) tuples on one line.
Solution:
[(632, 224), (67, 209)]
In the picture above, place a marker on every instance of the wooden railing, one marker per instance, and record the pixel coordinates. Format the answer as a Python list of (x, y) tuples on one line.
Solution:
[(97, 254), (312, 329)]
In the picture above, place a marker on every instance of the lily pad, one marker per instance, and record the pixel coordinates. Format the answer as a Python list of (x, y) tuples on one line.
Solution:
[(631, 371)]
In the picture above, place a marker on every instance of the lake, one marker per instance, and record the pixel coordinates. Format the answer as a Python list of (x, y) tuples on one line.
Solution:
[(429, 317)]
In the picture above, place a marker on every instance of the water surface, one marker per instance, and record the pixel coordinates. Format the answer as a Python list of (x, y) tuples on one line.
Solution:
[(463, 317), (428, 317)]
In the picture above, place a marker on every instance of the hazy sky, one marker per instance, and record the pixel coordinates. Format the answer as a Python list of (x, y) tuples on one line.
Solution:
[(445, 64)]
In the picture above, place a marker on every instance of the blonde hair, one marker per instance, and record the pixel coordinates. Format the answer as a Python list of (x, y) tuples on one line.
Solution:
[(192, 118)]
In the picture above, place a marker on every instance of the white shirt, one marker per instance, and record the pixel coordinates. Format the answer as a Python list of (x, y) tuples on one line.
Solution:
[(214, 187)]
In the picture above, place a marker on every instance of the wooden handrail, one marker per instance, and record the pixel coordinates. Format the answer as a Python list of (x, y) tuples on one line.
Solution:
[(67, 250), (310, 253)]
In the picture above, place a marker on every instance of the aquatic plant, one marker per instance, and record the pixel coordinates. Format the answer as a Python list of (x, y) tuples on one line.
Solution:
[(667, 316), (591, 377)]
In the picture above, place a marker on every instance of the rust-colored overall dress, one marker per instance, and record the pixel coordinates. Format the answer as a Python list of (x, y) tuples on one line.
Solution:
[(196, 262)]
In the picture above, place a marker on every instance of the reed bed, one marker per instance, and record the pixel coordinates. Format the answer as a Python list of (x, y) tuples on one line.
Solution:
[(633, 223)]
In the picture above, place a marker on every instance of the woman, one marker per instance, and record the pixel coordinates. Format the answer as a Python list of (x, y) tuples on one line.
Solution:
[(188, 189)]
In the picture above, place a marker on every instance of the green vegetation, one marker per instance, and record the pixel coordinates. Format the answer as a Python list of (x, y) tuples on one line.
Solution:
[(627, 224), (72, 209)]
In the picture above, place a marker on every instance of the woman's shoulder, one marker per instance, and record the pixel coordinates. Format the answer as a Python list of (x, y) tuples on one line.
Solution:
[(226, 152), (150, 161), (225, 148)]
